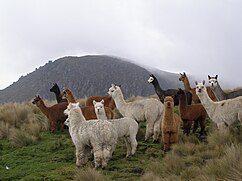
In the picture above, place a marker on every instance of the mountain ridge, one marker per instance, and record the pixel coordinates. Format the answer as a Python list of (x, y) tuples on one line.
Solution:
[(85, 76)]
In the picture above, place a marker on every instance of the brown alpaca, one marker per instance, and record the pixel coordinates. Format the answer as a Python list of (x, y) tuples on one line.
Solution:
[(54, 113), (170, 124), (108, 101), (187, 87), (88, 111), (191, 114)]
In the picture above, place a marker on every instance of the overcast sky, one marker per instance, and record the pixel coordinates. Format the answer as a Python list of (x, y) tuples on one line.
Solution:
[(199, 37)]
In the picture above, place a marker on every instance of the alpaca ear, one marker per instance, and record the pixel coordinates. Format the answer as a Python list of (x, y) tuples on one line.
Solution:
[(203, 82), (209, 77), (184, 73), (216, 77), (195, 82), (102, 101), (181, 74), (94, 102), (112, 85)]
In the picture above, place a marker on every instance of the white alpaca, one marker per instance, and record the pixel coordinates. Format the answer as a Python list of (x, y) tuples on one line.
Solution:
[(98, 135), (223, 113), (126, 127), (149, 110)]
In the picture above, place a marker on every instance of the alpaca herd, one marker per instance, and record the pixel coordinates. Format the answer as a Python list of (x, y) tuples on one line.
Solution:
[(94, 130)]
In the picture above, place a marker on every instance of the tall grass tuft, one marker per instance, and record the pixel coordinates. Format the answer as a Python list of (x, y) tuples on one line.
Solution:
[(89, 174)]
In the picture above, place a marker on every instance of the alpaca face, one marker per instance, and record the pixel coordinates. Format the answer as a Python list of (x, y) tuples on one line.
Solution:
[(213, 81), (200, 87), (66, 93), (99, 106), (168, 102), (182, 77), (151, 79), (113, 89), (70, 107), (37, 100)]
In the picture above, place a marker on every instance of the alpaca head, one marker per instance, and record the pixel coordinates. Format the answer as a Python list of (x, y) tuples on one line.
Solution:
[(152, 78), (71, 106), (180, 92), (113, 90), (169, 102), (183, 76), (37, 100), (99, 106), (200, 87), (66, 93), (55, 88), (213, 81)]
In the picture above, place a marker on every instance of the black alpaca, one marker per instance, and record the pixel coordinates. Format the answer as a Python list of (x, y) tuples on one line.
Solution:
[(57, 92), (169, 92)]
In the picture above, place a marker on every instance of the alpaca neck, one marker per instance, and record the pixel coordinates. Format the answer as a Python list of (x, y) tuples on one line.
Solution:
[(158, 89), (119, 100), (187, 84), (207, 103), (101, 115), (168, 116), (75, 120), (43, 108), (71, 98), (219, 93), (58, 95), (182, 104)]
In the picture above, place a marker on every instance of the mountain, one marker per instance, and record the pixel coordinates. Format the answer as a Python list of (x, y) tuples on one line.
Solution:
[(86, 76)]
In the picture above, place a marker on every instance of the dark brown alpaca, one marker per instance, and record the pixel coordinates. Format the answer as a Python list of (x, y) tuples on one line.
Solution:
[(57, 92), (195, 99), (108, 101), (54, 113), (88, 111), (191, 114)]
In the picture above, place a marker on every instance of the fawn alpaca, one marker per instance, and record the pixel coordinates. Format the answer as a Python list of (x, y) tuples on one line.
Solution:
[(170, 124), (218, 91), (187, 87), (54, 113), (150, 110), (223, 113), (169, 92), (98, 135), (194, 113), (57, 92), (125, 127), (88, 111)]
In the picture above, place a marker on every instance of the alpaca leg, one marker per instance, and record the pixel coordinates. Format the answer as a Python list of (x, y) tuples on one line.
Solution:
[(81, 157), (133, 143), (195, 126), (173, 137), (128, 146), (107, 155), (52, 126), (157, 128), (202, 125), (166, 141), (149, 130), (186, 129), (98, 154)]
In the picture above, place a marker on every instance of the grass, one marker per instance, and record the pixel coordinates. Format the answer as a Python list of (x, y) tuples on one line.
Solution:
[(33, 153)]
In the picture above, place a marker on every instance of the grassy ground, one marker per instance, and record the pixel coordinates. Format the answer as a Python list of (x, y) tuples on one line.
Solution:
[(52, 158), (29, 152)]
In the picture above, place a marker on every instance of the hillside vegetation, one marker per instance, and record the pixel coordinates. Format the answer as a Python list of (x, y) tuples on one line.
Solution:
[(29, 152)]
